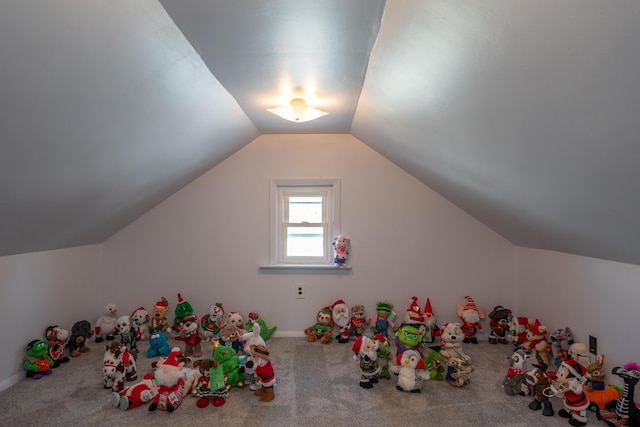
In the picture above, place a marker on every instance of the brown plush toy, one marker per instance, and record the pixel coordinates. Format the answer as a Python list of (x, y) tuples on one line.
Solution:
[(322, 329)]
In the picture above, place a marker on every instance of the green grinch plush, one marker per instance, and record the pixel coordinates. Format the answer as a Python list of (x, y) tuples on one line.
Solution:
[(434, 363), (408, 337), (182, 310), (38, 363), (226, 357)]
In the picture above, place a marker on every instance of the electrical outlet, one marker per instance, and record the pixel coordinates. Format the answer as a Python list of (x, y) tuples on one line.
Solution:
[(593, 345), (300, 290)]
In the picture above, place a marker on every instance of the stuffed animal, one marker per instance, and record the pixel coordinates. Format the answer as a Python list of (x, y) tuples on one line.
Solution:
[(366, 351), (158, 345), (358, 320), (626, 410), (140, 323), (561, 340), (410, 370), (264, 371), (384, 355), (128, 336), (213, 322), (57, 339), (537, 380), (252, 338), (408, 337), (341, 320), (226, 357), (514, 382), (118, 366), (169, 378), (341, 250), (159, 322), (595, 388), (451, 340), (470, 316), (434, 364), (518, 331), (568, 383), (383, 319), (230, 336), (537, 343), (134, 395), (236, 319), (321, 330), (210, 384), (499, 319), (431, 328), (81, 331), (414, 316), (182, 310), (37, 363), (265, 330), (106, 324), (457, 373), (192, 336), (578, 351)]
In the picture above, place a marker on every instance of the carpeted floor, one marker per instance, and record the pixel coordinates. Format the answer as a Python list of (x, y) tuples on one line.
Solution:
[(317, 385)]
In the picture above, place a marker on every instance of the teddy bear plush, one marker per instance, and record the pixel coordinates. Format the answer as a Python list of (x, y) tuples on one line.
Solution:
[(451, 341), (230, 336), (159, 322), (366, 351), (57, 339), (470, 316), (81, 331), (106, 324), (210, 384), (236, 319), (321, 330), (192, 336), (37, 363), (140, 323), (358, 320), (158, 345), (499, 324), (536, 342)]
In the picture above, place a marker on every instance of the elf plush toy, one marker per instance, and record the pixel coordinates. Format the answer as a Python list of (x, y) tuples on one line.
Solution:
[(499, 324), (366, 351), (263, 370), (341, 319), (140, 323), (321, 330), (106, 324), (57, 340), (38, 363), (159, 322), (213, 322), (470, 316), (169, 379), (383, 319), (182, 310)]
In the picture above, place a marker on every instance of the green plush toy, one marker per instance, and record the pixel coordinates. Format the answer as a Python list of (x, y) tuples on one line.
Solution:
[(38, 362), (384, 355), (183, 309), (226, 357), (265, 331), (435, 364), (408, 337)]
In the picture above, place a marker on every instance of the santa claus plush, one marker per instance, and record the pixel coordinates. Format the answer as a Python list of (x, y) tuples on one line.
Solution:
[(169, 379), (342, 320)]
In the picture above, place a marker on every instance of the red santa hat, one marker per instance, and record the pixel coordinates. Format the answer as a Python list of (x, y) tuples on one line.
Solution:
[(180, 299), (172, 359), (471, 305), (191, 318), (356, 347), (535, 327), (575, 368), (413, 312), (380, 338), (337, 303), (161, 304)]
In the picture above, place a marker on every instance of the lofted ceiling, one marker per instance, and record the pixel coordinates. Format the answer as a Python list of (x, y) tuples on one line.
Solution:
[(524, 114)]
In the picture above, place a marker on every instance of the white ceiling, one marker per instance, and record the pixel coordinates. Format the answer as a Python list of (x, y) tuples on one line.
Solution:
[(524, 114)]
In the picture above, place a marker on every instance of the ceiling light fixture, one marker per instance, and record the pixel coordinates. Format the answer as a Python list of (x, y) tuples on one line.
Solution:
[(298, 111)]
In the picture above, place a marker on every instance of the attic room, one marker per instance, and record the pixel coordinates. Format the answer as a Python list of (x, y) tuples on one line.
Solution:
[(483, 148)]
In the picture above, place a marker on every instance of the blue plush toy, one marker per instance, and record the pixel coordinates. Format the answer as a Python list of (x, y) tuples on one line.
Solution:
[(158, 345)]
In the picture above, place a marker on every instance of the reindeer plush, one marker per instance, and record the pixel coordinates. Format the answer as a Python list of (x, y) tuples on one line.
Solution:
[(457, 374), (538, 382)]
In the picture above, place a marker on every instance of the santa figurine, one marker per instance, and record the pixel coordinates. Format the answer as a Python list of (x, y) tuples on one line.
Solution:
[(470, 316), (342, 320), (264, 372), (169, 379)]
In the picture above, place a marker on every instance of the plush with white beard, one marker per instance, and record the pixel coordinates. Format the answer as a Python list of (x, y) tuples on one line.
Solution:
[(168, 375), (342, 320)]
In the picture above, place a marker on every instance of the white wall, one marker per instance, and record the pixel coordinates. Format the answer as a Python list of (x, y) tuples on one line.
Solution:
[(590, 296), (208, 240), (41, 289)]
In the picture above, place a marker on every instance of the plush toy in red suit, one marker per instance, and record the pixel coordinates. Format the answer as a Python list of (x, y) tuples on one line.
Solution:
[(568, 383), (470, 316), (264, 371), (134, 395), (168, 377)]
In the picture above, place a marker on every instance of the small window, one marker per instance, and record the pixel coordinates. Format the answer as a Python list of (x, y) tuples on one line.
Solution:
[(304, 216)]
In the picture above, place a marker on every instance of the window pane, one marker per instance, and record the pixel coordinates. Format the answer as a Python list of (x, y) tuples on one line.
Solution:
[(305, 241), (305, 209)]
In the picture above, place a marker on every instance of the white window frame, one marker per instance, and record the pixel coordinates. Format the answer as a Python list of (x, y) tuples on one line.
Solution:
[(279, 187)]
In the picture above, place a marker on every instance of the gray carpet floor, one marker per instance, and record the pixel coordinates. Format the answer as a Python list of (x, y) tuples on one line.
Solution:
[(317, 385)]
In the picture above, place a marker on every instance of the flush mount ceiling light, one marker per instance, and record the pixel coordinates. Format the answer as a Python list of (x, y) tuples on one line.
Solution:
[(298, 111)]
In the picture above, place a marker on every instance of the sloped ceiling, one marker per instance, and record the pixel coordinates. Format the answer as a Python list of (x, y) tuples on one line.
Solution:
[(524, 114)]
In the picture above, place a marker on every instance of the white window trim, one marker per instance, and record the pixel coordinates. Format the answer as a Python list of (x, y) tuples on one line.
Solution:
[(334, 219)]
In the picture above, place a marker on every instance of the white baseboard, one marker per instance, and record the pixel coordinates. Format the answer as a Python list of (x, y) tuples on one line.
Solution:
[(14, 379)]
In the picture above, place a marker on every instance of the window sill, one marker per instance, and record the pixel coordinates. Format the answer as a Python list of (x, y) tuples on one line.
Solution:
[(303, 267)]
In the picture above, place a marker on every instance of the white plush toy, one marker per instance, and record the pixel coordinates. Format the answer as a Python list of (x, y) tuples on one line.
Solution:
[(252, 338), (140, 323), (106, 324), (410, 370), (451, 341), (236, 319)]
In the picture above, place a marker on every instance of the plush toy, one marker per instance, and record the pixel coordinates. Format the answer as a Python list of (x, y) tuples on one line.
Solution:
[(358, 320), (470, 316), (182, 310), (561, 340), (106, 324), (213, 322), (230, 336), (578, 351), (537, 343), (210, 384), (626, 411), (159, 322), (434, 364), (384, 355), (341, 246), (457, 373), (414, 316), (158, 345), (568, 383), (265, 331), (134, 395), (321, 330), (341, 320), (81, 331), (192, 336), (595, 388), (514, 382), (226, 357), (38, 363), (252, 338), (140, 323), (499, 319), (57, 339), (518, 331), (383, 319), (537, 380), (128, 336), (410, 370), (236, 319), (431, 328), (451, 340), (264, 371), (366, 351), (118, 366), (169, 378), (408, 337)]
